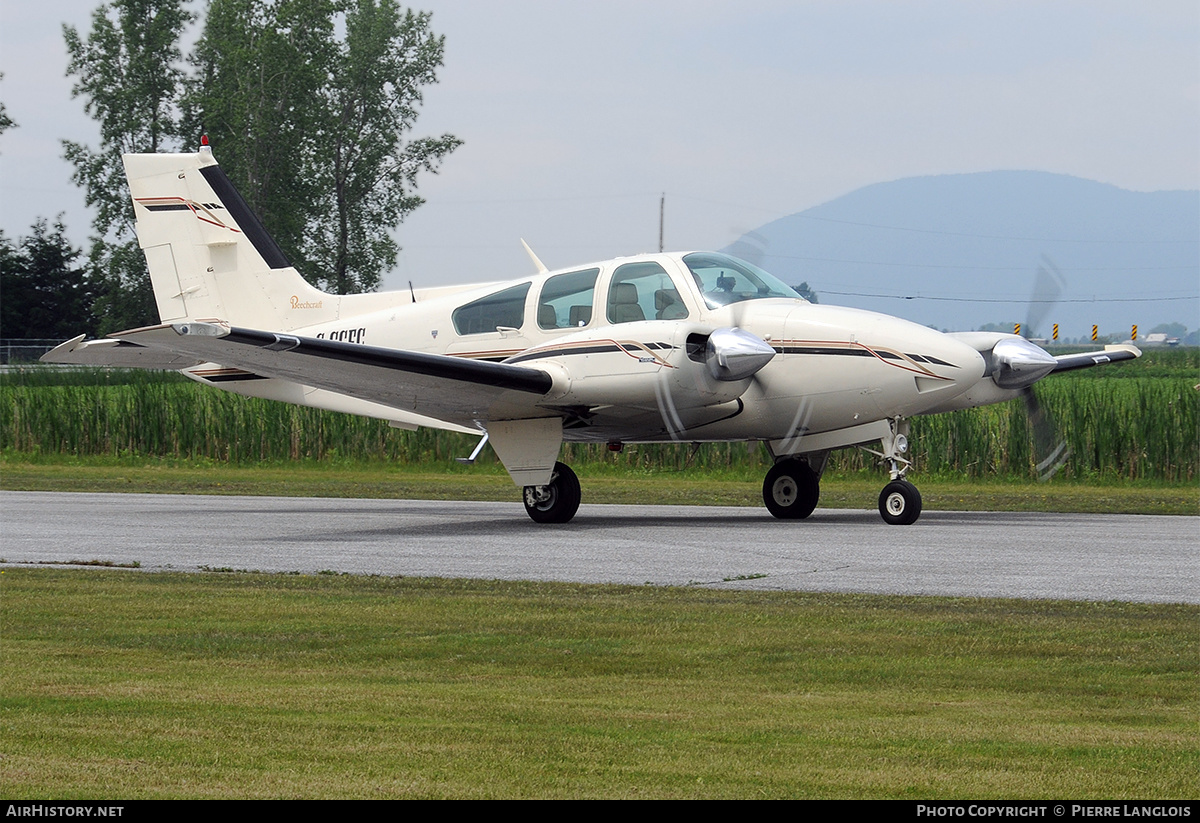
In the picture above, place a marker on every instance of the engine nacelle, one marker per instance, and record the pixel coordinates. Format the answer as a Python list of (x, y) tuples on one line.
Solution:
[(651, 362)]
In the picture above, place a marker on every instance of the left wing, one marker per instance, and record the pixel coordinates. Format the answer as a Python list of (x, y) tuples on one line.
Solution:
[(465, 392), (1085, 360)]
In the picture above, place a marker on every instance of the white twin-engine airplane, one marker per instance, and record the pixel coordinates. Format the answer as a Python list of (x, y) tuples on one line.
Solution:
[(657, 348)]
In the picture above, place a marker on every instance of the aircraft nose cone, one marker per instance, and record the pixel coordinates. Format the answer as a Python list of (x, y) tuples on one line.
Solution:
[(735, 354)]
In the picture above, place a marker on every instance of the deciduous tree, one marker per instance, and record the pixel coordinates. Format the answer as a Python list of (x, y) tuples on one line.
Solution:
[(365, 163), (6, 122), (129, 72), (308, 104), (260, 69)]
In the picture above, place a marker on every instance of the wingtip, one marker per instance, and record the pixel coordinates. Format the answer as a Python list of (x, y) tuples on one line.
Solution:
[(62, 349)]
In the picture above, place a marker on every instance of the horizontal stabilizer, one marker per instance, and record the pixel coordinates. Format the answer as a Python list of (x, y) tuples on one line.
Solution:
[(116, 354)]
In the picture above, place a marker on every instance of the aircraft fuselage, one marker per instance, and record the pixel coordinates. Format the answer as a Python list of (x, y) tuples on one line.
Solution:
[(686, 347), (834, 367)]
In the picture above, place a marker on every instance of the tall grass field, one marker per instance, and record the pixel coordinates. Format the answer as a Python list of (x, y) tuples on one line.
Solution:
[(1132, 421)]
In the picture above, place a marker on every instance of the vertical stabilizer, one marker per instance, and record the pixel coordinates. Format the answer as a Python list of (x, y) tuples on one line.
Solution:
[(208, 254)]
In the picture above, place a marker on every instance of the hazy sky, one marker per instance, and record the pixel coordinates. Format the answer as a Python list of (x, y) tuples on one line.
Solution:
[(577, 116)]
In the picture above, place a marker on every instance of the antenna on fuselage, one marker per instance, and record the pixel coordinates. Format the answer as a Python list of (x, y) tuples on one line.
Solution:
[(541, 267), (412, 292)]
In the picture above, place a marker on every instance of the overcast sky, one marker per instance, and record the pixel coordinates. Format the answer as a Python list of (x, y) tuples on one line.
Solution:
[(577, 116)]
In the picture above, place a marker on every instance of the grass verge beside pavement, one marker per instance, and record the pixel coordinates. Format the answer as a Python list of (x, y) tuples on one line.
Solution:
[(454, 482), (123, 684)]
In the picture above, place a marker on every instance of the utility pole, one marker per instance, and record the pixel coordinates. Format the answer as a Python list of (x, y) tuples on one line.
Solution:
[(662, 202)]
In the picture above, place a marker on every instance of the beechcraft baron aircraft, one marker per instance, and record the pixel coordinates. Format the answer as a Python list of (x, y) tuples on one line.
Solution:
[(656, 348)]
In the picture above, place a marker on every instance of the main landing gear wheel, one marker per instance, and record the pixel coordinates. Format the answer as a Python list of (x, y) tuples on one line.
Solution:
[(900, 503), (557, 501), (791, 489)]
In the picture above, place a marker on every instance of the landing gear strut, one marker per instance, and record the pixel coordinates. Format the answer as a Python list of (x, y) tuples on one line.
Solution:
[(899, 502), (791, 489), (558, 500)]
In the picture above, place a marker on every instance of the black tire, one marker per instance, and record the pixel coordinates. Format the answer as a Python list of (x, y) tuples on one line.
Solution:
[(791, 490), (560, 499), (900, 503)]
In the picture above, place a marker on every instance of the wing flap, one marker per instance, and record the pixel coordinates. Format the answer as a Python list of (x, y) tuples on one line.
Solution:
[(446, 388)]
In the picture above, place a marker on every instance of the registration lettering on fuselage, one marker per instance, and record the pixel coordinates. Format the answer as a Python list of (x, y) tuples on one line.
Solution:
[(344, 335)]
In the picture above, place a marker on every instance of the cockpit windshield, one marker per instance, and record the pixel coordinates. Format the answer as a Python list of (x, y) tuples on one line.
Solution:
[(723, 280)]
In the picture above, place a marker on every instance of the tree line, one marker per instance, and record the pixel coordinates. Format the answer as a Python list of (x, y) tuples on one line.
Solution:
[(309, 105)]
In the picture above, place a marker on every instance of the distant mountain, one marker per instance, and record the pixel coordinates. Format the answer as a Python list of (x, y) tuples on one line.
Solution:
[(960, 251)]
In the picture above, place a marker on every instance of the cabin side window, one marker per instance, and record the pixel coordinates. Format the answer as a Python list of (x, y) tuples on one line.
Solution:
[(502, 309), (566, 300), (643, 291)]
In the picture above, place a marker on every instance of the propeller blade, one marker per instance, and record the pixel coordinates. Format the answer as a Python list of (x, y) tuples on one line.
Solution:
[(1048, 286), (1048, 446)]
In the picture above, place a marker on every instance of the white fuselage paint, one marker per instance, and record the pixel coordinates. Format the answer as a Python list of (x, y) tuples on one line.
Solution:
[(835, 368)]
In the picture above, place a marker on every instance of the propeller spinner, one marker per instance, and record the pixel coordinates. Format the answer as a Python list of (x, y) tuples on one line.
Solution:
[(734, 354)]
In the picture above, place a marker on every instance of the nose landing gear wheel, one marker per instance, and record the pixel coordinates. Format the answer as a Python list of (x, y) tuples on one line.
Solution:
[(900, 503), (791, 490), (557, 501)]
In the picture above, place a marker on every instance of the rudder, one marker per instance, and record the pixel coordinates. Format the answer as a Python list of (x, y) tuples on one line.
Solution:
[(209, 256)]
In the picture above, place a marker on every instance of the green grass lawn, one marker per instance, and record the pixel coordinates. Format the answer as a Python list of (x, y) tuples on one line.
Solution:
[(122, 684), (604, 485)]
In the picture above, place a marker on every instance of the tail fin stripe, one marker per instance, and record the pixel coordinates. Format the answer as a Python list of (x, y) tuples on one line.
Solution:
[(173, 207), (254, 230)]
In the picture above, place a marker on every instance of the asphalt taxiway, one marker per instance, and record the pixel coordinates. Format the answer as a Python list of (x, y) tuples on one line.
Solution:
[(1026, 555)]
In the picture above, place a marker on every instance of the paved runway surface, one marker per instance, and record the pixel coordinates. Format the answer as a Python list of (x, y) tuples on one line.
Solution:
[(1035, 555)]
